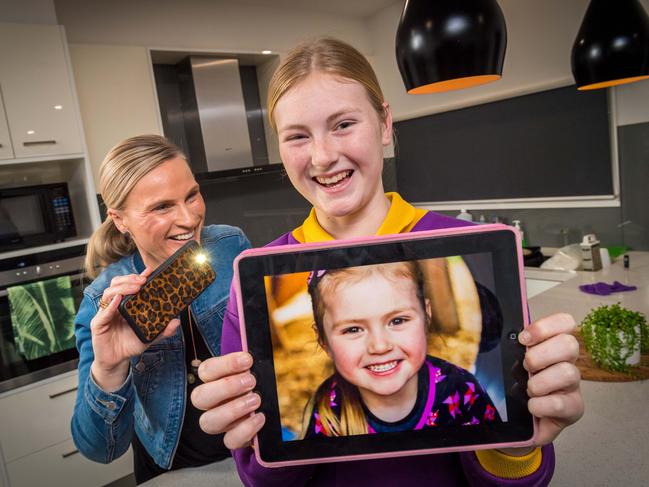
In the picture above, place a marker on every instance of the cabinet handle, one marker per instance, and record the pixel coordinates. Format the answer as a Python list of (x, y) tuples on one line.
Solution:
[(67, 391), (1, 146), (39, 142), (69, 454)]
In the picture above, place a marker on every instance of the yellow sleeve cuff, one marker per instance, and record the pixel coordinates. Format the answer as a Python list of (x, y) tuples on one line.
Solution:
[(507, 466)]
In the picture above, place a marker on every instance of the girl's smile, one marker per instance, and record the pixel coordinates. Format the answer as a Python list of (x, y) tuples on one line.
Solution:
[(375, 332), (331, 142)]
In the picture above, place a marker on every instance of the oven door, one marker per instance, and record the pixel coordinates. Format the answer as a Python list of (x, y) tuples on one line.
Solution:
[(37, 322)]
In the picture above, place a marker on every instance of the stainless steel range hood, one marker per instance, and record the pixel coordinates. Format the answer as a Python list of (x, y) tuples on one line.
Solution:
[(221, 113), (210, 107)]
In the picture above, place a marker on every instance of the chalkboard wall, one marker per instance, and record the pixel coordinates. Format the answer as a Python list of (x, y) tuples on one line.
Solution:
[(554, 143)]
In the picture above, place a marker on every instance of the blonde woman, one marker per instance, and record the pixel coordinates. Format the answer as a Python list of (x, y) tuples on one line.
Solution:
[(333, 123), (131, 393)]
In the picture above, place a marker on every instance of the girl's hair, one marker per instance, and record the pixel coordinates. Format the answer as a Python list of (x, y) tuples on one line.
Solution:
[(122, 168), (352, 418), (326, 55)]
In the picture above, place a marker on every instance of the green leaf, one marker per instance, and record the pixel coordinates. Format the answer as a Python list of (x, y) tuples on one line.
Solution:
[(42, 315)]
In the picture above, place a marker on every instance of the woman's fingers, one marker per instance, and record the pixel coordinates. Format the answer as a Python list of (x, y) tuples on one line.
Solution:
[(559, 348), (211, 394), (105, 316), (224, 417)]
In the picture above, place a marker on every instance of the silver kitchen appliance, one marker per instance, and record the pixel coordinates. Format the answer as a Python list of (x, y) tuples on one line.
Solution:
[(17, 369)]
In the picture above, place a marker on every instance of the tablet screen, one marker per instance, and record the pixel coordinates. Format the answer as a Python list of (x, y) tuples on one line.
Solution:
[(415, 340)]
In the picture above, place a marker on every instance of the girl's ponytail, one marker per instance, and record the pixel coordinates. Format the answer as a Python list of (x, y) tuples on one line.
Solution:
[(352, 417)]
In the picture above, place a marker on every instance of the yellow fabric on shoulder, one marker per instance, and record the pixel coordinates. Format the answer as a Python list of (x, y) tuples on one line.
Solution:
[(507, 466), (401, 218)]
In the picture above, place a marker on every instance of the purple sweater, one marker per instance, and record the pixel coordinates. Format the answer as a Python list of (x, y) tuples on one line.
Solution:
[(449, 469)]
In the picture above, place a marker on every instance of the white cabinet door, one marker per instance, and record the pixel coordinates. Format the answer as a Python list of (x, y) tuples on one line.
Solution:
[(62, 466), (37, 91), (37, 418), (6, 151)]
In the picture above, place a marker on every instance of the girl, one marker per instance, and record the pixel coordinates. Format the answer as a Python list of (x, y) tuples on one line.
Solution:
[(332, 122), (383, 379)]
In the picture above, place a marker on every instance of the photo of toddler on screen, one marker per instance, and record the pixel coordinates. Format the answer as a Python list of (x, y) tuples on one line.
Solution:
[(374, 349)]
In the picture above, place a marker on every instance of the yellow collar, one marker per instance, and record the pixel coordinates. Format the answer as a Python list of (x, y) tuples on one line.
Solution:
[(401, 217)]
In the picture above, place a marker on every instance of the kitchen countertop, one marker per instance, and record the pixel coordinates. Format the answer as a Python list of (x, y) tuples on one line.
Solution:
[(567, 297), (607, 447)]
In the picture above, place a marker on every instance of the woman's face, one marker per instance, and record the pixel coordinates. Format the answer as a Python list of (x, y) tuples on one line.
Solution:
[(331, 142), (375, 332), (163, 211)]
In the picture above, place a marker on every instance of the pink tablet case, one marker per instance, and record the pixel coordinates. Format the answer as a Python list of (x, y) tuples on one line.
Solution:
[(285, 249)]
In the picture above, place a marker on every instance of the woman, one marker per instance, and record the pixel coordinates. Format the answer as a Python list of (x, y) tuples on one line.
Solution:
[(130, 392), (333, 123)]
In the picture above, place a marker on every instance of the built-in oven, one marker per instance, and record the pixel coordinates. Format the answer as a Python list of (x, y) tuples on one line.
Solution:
[(39, 298)]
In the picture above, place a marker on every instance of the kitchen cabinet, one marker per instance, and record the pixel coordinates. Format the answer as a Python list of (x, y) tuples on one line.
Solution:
[(36, 442), (37, 90), (6, 149), (41, 135)]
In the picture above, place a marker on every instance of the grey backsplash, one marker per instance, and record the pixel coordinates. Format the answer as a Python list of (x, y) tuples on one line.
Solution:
[(265, 206)]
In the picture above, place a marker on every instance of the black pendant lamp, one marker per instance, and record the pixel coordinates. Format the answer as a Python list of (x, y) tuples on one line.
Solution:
[(444, 45), (612, 46)]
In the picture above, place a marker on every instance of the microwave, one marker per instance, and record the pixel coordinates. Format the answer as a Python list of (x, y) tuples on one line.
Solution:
[(35, 215)]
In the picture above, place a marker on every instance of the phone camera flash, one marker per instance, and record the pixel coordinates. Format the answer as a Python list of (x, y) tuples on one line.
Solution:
[(200, 258)]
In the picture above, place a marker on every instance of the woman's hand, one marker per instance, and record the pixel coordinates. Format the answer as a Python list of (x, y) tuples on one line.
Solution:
[(113, 340), (228, 401), (553, 389)]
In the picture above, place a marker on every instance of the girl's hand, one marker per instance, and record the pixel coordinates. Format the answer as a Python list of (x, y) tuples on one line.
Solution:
[(553, 389), (113, 340), (228, 401)]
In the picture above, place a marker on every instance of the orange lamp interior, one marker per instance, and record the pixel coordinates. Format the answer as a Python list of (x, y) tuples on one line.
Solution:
[(613, 82), (454, 84)]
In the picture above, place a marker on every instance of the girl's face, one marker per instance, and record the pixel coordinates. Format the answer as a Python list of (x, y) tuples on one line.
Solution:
[(331, 142), (375, 331), (163, 211)]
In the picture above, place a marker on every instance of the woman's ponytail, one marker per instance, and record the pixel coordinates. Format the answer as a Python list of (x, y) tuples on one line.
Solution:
[(105, 246), (122, 168)]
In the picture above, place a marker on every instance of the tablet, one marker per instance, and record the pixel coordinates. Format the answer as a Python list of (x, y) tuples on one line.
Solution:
[(387, 346)]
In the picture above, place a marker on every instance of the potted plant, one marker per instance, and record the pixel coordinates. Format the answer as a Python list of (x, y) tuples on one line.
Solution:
[(614, 337)]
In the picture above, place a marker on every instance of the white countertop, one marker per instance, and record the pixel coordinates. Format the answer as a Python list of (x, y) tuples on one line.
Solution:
[(566, 297), (610, 444)]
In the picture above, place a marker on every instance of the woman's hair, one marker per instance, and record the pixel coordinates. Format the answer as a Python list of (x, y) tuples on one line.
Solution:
[(325, 55), (352, 418), (122, 168)]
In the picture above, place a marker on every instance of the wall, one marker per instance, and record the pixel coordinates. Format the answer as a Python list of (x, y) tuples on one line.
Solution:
[(540, 38), (221, 25), (28, 11), (116, 96), (108, 42), (538, 57)]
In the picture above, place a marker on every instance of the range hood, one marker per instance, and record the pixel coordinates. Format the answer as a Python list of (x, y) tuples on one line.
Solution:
[(213, 112)]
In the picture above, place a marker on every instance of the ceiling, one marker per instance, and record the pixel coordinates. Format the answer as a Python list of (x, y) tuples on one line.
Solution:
[(352, 8)]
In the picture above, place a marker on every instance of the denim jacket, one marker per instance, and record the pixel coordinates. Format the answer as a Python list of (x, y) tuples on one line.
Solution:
[(151, 402)]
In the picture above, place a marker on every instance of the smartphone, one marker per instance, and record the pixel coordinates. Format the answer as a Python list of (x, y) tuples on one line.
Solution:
[(168, 291)]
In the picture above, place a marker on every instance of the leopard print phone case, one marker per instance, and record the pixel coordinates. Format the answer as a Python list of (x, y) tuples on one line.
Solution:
[(169, 290)]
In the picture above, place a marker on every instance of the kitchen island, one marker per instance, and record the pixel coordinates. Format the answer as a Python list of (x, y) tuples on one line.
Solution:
[(608, 446)]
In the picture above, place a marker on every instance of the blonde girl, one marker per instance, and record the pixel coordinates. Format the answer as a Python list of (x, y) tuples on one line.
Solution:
[(333, 123)]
